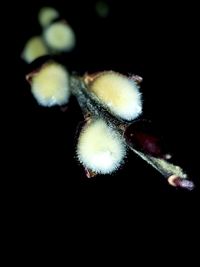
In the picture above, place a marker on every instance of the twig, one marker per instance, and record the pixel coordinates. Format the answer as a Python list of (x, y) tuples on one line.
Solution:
[(91, 106)]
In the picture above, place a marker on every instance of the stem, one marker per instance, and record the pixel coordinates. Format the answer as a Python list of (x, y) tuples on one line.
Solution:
[(164, 167), (89, 104), (174, 174)]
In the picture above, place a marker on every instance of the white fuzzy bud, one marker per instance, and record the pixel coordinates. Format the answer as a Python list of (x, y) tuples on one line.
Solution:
[(100, 148), (118, 93)]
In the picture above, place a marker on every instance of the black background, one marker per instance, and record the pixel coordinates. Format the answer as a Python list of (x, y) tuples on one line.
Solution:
[(155, 41)]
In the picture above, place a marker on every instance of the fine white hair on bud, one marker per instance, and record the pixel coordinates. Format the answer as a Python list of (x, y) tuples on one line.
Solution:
[(50, 85), (46, 15), (34, 48), (59, 37), (100, 148), (118, 93)]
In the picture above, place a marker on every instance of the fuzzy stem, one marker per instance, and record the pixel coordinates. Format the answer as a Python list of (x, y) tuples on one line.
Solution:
[(164, 167), (91, 105), (174, 174)]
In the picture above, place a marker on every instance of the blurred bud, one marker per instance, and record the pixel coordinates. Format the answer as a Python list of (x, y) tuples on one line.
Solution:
[(46, 15), (34, 48), (59, 37), (102, 9), (50, 84)]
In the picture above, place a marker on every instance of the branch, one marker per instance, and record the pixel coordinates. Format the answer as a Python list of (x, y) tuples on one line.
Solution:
[(91, 107)]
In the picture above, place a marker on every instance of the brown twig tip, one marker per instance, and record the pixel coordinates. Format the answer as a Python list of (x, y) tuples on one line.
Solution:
[(177, 181), (29, 77), (89, 78), (89, 174), (138, 79)]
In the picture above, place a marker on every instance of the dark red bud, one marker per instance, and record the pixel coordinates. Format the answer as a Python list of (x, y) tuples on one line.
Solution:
[(141, 136)]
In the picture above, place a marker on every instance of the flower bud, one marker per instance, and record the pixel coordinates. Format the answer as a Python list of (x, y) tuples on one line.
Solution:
[(50, 84), (59, 37), (34, 48), (46, 15), (118, 93), (100, 148)]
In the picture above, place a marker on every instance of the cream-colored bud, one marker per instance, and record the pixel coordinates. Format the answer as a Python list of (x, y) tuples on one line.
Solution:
[(100, 148), (34, 48), (50, 85), (59, 37), (46, 15), (118, 93)]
